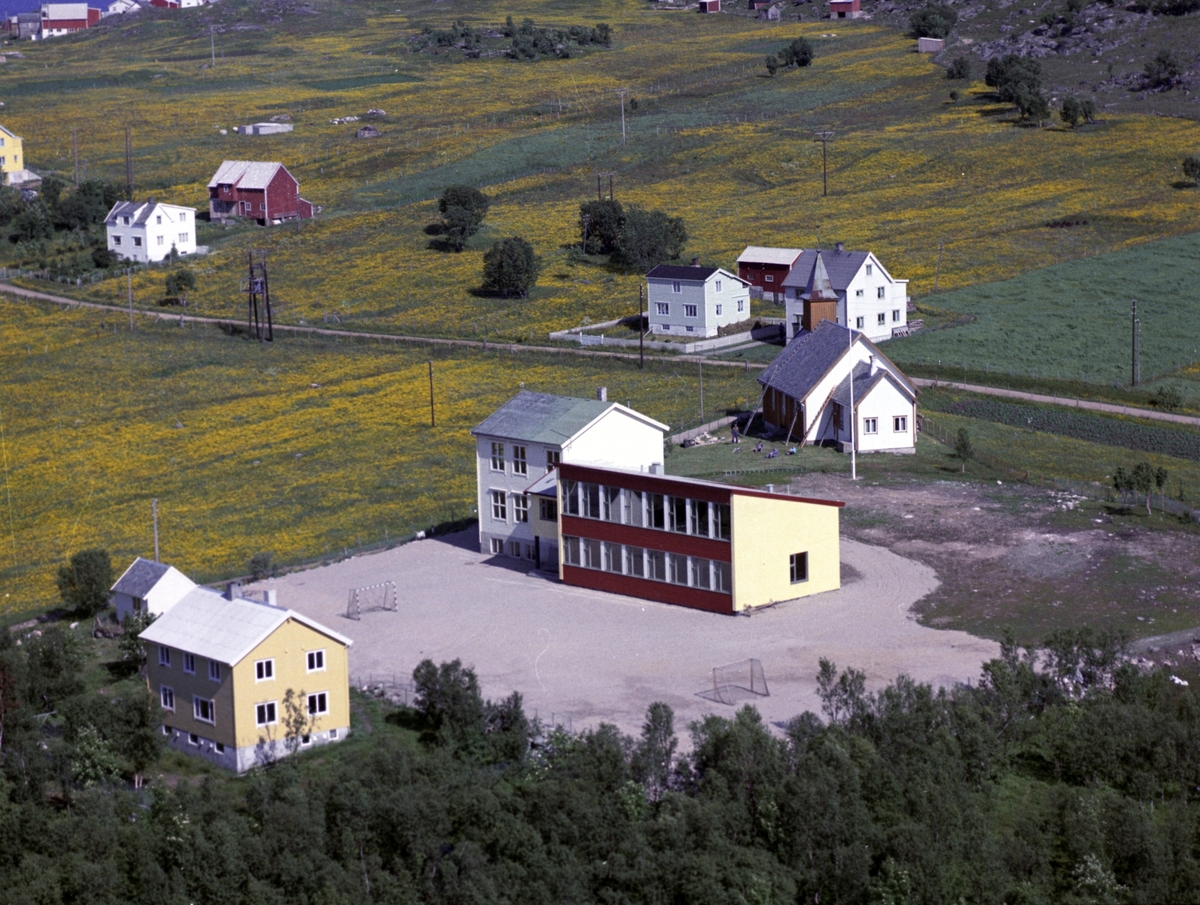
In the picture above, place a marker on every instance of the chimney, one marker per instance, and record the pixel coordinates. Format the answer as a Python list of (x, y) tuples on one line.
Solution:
[(656, 468), (602, 394), (233, 590), (874, 365), (695, 262), (770, 488), (839, 246), (269, 597)]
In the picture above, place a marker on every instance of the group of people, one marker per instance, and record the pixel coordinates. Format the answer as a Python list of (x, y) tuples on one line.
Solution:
[(758, 447)]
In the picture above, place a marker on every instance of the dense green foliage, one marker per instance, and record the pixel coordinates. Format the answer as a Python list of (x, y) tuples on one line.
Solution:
[(84, 582), (1075, 111), (1073, 782), (647, 238), (1163, 71), (1169, 441), (799, 53), (603, 230), (933, 21), (463, 209), (1018, 81), (1191, 168), (510, 267), (179, 283), (528, 41), (960, 68)]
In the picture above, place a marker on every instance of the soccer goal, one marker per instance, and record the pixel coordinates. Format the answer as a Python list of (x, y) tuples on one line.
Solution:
[(743, 676), (373, 597)]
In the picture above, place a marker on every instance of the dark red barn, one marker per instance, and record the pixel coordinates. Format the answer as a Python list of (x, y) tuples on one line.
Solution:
[(767, 268), (265, 192)]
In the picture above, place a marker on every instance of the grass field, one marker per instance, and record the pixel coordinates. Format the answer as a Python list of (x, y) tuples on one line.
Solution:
[(712, 140), (304, 449)]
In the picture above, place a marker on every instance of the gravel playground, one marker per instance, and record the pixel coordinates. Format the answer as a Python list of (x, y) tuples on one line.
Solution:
[(581, 657)]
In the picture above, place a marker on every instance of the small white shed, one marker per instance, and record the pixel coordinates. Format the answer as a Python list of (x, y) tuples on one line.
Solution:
[(148, 586)]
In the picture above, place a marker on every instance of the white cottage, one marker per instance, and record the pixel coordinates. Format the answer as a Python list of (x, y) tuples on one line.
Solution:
[(149, 587), (518, 446), (832, 387), (695, 301), (147, 231), (869, 298)]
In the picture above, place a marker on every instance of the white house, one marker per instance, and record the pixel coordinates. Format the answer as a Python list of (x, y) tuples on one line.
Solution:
[(518, 446), (120, 7), (149, 587), (832, 385), (148, 230), (695, 300), (869, 298)]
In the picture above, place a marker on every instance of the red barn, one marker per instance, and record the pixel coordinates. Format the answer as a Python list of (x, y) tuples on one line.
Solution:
[(65, 18), (845, 9), (710, 6), (767, 268), (265, 192)]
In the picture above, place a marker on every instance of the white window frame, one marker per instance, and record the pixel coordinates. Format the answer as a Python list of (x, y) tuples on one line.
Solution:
[(741, 305), (881, 319), (676, 286), (797, 560), (266, 713), (314, 660), (318, 703), (718, 286), (689, 311), (189, 663), (718, 309), (520, 507), (859, 322), (264, 670), (769, 278), (858, 293), (869, 270), (214, 671), (499, 506), (663, 308), (197, 702), (166, 697), (497, 546), (497, 456), (881, 292), (895, 315), (520, 464), (164, 656), (870, 425), (900, 424), (137, 241), (116, 240)]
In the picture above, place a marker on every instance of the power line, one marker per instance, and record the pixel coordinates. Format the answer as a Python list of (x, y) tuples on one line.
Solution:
[(824, 138)]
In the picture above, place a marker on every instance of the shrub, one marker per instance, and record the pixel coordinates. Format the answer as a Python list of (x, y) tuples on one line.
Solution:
[(262, 565), (605, 219), (510, 267), (1191, 168), (933, 21), (648, 238), (799, 54), (84, 582), (772, 65), (1163, 71), (959, 69), (33, 222), (963, 448), (103, 258), (1167, 397), (179, 283), (463, 209)]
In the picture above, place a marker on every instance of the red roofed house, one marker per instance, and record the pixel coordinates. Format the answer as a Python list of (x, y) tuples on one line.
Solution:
[(260, 191), (64, 18), (767, 268)]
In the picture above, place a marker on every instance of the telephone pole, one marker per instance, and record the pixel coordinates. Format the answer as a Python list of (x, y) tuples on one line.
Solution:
[(432, 416), (1136, 369), (154, 516), (75, 148), (622, 92), (641, 329), (824, 137), (129, 160)]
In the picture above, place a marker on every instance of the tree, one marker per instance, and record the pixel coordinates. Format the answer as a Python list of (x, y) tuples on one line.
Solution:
[(463, 209), (88, 204), (959, 69), (605, 219), (1160, 483), (179, 283), (933, 21), (772, 65), (132, 647), (799, 54), (297, 721), (1122, 482), (1032, 104), (33, 222), (1071, 113), (648, 238), (447, 698), (85, 582), (510, 267), (1191, 168), (103, 258), (1163, 71), (1010, 73), (1142, 479), (652, 758), (963, 448)]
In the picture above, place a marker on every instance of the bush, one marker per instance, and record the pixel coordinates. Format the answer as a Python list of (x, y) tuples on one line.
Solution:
[(262, 565), (1163, 71), (84, 583), (33, 222), (103, 258), (1191, 168), (510, 267), (1075, 111), (772, 65), (963, 448), (959, 69), (463, 209), (649, 238), (1008, 74), (179, 284), (799, 54), (605, 219), (1167, 397), (934, 21)]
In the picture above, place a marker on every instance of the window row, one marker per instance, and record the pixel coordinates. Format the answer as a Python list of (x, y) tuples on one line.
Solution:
[(880, 319), (646, 510), (189, 663), (264, 670), (267, 712), (519, 458), (638, 562), (514, 548), (203, 709), (663, 309), (547, 511), (899, 425)]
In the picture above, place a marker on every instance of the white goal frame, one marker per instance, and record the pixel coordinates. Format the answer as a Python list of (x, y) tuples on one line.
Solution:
[(744, 675), (370, 598)]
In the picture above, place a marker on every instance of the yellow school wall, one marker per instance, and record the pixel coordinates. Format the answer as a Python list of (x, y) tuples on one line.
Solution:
[(186, 686), (13, 154), (766, 532), (289, 645)]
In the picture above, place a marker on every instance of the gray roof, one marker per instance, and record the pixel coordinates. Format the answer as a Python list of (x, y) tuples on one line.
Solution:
[(245, 174), (140, 577), (808, 358), (819, 288), (139, 212), (543, 418), (864, 382), (841, 266), (693, 272), (207, 624)]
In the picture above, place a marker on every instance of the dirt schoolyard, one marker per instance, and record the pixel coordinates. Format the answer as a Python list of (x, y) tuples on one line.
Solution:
[(581, 657)]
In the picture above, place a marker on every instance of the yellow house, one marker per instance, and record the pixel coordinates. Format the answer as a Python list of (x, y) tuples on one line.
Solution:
[(222, 671), (12, 155)]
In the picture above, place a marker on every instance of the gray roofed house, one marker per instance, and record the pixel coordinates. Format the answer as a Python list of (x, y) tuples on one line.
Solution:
[(150, 587), (807, 392), (681, 272), (541, 417), (694, 301), (149, 230), (876, 302), (141, 577)]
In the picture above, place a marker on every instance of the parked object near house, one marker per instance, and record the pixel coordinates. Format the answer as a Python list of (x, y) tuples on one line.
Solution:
[(148, 230), (767, 268), (221, 669), (868, 297), (12, 157), (149, 587), (65, 18), (710, 6), (930, 45), (693, 543), (256, 190), (807, 393), (695, 301), (264, 128), (845, 9), (519, 446)]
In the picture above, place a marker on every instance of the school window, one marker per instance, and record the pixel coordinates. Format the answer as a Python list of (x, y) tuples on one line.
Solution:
[(881, 292), (189, 663), (497, 457), (859, 323), (553, 457), (895, 314), (718, 285), (167, 697), (881, 318), (610, 557), (549, 510), (317, 704), (264, 670), (870, 425), (204, 710), (721, 577), (570, 497), (497, 546), (518, 462), (900, 424), (869, 268), (701, 573), (677, 568), (675, 287), (858, 293), (741, 305), (315, 660), (264, 714), (799, 567), (662, 308), (214, 670), (164, 656), (520, 507), (689, 310), (499, 506), (718, 309)]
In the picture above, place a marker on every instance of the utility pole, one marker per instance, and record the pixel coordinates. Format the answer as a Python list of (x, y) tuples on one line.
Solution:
[(1136, 375), (824, 137), (154, 516), (853, 414), (700, 377), (641, 329), (432, 416), (587, 218), (130, 274), (938, 275), (212, 46), (622, 92), (129, 160), (75, 148)]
